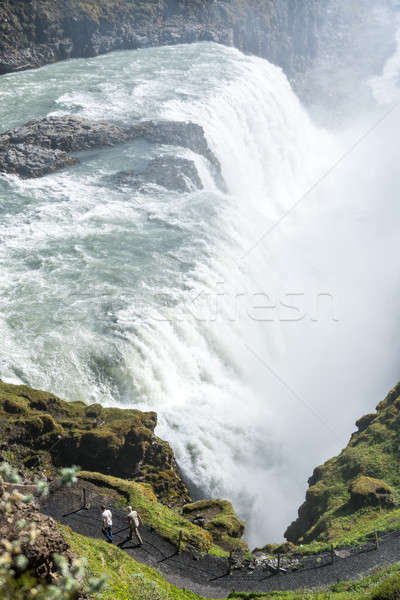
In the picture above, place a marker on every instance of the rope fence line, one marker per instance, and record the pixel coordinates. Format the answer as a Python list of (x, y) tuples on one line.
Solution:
[(300, 563)]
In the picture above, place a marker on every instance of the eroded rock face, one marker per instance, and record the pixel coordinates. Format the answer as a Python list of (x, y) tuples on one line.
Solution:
[(170, 172), (283, 32), (44, 428), (42, 146)]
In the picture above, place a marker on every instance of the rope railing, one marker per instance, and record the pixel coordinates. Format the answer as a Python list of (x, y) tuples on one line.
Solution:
[(285, 563)]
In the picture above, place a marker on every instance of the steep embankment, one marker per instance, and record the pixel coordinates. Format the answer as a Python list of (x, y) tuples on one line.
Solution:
[(120, 453), (35, 33), (38, 430), (291, 34), (358, 491)]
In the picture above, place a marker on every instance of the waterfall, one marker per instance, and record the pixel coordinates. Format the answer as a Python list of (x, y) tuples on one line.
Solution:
[(218, 309)]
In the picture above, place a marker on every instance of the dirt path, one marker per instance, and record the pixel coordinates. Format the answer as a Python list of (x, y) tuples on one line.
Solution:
[(208, 575)]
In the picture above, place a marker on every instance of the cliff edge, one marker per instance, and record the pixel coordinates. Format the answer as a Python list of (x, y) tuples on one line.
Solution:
[(356, 492)]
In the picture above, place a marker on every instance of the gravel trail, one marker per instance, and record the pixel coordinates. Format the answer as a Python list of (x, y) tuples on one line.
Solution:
[(207, 575)]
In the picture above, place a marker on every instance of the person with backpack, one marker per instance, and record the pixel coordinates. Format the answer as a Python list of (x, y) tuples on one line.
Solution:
[(133, 519)]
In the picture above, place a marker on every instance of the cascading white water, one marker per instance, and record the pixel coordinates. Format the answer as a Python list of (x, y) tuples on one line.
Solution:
[(179, 302)]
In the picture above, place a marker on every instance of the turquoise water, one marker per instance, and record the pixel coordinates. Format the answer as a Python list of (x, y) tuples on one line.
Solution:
[(169, 301)]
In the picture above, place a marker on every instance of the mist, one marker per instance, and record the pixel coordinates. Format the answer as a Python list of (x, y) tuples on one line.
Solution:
[(259, 319), (338, 265)]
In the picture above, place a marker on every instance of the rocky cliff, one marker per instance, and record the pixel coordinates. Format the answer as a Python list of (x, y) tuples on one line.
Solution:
[(290, 33), (40, 432), (357, 491), (35, 32)]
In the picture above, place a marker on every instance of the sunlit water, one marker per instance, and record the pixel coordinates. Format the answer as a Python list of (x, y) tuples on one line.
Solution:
[(258, 344)]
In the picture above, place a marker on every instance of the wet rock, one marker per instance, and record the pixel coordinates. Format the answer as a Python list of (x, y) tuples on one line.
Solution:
[(170, 172), (176, 133), (68, 133), (28, 160), (41, 145)]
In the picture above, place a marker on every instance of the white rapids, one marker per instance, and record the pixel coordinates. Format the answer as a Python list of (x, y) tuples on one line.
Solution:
[(239, 316)]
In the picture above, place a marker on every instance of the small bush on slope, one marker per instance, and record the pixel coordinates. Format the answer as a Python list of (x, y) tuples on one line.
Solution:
[(35, 559)]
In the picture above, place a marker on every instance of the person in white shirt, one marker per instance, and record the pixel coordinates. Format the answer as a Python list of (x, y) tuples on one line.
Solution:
[(106, 516), (133, 519)]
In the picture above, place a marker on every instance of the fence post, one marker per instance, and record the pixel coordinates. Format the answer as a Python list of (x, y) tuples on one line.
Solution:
[(84, 498), (279, 564), (230, 563), (332, 555), (376, 540), (180, 541)]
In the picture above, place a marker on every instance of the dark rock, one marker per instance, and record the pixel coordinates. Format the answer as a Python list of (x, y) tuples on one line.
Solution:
[(199, 520), (68, 133), (176, 133), (304, 37), (365, 421), (40, 146), (170, 172), (285, 548), (28, 160)]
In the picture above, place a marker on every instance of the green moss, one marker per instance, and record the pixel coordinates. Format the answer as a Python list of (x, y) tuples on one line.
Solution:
[(129, 579), (221, 521), (368, 490), (382, 585), (126, 578), (356, 492), (165, 521), (94, 437)]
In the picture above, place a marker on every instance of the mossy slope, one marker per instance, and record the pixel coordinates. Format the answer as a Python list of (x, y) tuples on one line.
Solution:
[(219, 518), (130, 579), (37, 426), (166, 522), (357, 491)]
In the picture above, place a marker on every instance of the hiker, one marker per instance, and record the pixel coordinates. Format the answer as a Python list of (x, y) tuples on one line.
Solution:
[(133, 520), (107, 523)]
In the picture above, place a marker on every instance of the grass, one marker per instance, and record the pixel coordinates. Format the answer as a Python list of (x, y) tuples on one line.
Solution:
[(381, 585), (91, 436), (332, 513), (355, 529), (167, 522), (221, 521), (126, 578), (130, 580)]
